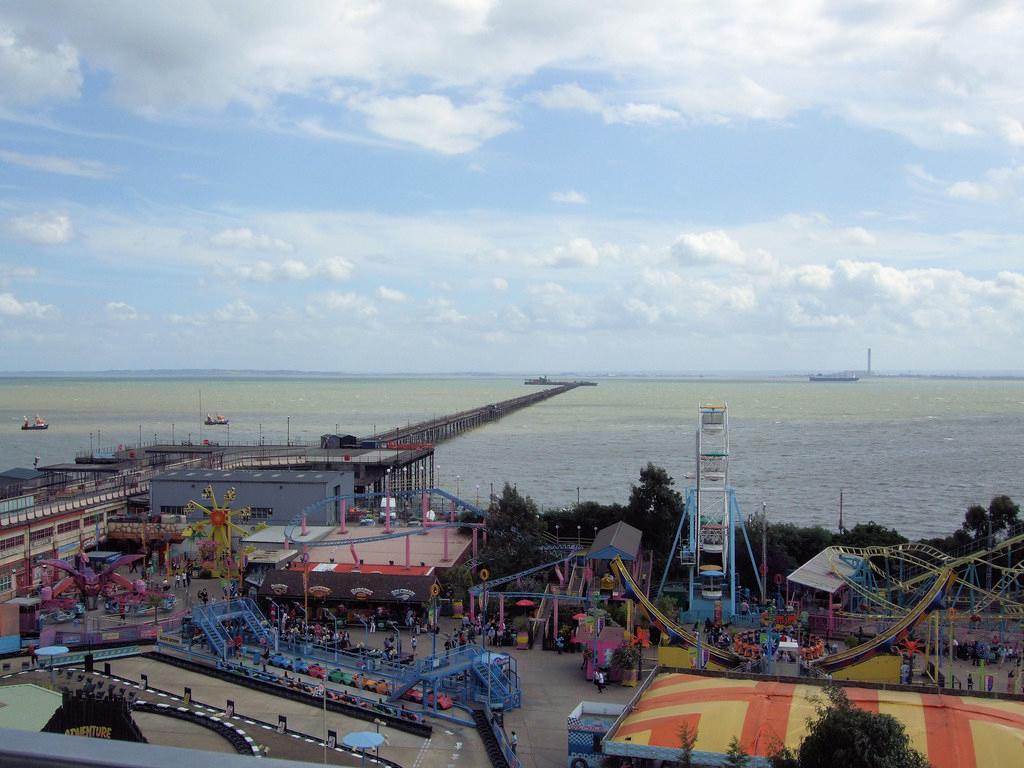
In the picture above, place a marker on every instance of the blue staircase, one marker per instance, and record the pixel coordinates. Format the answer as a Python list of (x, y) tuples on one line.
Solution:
[(468, 674), (211, 620), (498, 680)]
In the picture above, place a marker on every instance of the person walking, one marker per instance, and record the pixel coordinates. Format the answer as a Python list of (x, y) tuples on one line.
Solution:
[(970, 682), (513, 742), (599, 681)]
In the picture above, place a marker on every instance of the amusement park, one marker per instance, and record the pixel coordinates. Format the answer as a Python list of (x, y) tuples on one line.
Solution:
[(395, 622)]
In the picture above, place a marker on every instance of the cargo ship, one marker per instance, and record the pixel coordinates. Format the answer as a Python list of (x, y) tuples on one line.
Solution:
[(39, 423), (834, 377)]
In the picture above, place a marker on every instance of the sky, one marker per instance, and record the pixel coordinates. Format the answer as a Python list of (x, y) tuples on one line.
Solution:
[(472, 185)]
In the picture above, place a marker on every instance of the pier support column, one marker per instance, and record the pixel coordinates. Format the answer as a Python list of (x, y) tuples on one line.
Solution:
[(408, 549), (425, 506), (445, 558), (344, 516), (501, 611)]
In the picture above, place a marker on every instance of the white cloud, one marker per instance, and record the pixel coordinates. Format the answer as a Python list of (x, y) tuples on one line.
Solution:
[(119, 310), (293, 269), (236, 311), (441, 310), (8, 274), (717, 247), (499, 284), (569, 197), (11, 306), (193, 320), (390, 294), (570, 96), (578, 252), (1013, 131), (635, 114), (334, 269), (64, 166), (43, 228), (434, 122), (30, 74), (553, 306), (967, 190), (342, 305), (858, 236), (245, 239), (997, 184), (913, 68)]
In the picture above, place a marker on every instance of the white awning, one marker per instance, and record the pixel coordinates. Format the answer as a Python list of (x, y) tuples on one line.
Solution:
[(826, 571)]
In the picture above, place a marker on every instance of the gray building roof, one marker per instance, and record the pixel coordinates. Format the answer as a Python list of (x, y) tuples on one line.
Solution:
[(280, 476), (620, 539), (21, 474)]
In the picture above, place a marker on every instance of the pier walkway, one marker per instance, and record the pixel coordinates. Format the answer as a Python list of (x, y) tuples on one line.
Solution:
[(447, 427)]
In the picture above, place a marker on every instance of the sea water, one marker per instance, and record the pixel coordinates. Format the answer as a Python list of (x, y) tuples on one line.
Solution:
[(911, 453)]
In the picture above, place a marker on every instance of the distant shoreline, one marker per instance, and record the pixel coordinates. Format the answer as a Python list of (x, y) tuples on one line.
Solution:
[(762, 376)]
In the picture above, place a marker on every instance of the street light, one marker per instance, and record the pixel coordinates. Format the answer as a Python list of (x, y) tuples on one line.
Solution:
[(457, 486), (578, 527)]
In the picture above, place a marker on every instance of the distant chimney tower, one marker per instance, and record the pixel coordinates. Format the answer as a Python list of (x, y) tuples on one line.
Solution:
[(869, 361)]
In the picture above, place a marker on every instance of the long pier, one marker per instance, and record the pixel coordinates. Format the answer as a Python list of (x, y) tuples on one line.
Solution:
[(447, 427)]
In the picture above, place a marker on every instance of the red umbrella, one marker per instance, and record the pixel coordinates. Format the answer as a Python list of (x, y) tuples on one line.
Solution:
[(525, 602), (580, 616)]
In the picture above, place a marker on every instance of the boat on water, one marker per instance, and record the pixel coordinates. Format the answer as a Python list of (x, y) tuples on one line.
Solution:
[(217, 421), (834, 377), (38, 423)]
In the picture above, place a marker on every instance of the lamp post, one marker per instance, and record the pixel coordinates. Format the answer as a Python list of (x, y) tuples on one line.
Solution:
[(387, 500), (457, 486), (288, 438), (578, 527)]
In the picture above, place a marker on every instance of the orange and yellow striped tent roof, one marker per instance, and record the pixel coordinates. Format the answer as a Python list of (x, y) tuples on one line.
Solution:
[(952, 731)]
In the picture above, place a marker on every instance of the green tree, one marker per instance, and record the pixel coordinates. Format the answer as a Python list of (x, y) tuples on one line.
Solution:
[(1002, 513), (455, 582), (976, 521), (655, 508), (870, 534), (154, 600), (736, 757), (513, 534), (587, 515), (687, 741), (841, 734)]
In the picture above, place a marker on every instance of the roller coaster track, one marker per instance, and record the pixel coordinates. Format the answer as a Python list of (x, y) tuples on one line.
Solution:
[(723, 658), (885, 641), (921, 562)]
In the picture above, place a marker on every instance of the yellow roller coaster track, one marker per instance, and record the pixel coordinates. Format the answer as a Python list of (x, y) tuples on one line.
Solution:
[(923, 562)]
